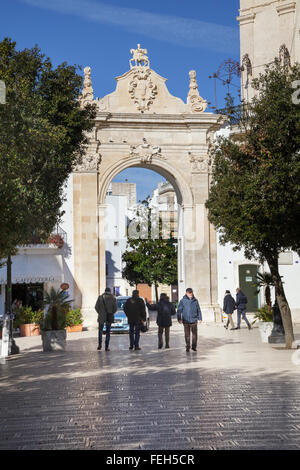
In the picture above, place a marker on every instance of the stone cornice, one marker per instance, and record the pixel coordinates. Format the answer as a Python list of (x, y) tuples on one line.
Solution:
[(245, 19), (144, 119), (287, 8)]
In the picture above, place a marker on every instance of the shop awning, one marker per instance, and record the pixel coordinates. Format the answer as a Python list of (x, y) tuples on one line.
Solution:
[(31, 269)]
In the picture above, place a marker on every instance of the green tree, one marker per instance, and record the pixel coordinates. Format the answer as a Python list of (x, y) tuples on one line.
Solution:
[(149, 258), (254, 199), (42, 136)]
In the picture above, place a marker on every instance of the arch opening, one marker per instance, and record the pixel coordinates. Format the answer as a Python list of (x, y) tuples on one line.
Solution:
[(165, 199)]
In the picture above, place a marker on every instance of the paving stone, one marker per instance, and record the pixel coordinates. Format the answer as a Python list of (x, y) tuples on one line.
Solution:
[(234, 393)]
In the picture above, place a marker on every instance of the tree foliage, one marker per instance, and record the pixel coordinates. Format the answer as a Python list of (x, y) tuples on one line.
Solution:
[(42, 136), (254, 199), (150, 258)]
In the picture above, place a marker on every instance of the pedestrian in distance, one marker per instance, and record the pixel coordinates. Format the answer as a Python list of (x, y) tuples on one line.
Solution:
[(229, 307), (165, 310), (135, 311), (189, 313), (241, 303), (106, 306)]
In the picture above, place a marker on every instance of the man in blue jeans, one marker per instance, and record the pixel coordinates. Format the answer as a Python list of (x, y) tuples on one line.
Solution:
[(135, 311), (241, 303), (189, 313)]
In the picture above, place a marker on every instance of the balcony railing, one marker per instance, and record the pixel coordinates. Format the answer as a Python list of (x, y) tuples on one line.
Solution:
[(58, 237)]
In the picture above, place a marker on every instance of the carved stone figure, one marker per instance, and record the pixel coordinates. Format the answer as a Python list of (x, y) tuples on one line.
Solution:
[(139, 57), (146, 152), (142, 90), (247, 65), (196, 103), (284, 56)]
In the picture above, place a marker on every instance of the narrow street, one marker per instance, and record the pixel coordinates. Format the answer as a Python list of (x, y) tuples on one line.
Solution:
[(233, 393)]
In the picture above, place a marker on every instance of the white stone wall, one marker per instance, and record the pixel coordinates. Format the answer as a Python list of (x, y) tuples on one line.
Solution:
[(67, 224), (116, 241)]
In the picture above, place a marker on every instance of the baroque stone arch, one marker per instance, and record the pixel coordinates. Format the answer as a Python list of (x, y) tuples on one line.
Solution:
[(142, 125)]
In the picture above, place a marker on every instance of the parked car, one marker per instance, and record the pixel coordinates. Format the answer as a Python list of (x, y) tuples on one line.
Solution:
[(121, 323)]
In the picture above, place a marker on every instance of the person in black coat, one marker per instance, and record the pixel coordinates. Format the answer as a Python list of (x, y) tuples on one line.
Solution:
[(135, 311), (165, 310), (106, 306), (241, 303), (229, 307)]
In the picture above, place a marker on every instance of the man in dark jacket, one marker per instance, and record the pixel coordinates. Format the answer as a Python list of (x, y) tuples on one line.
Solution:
[(165, 310), (228, 308), (189, 313), (135, 311), (241, 303), (106, 306)]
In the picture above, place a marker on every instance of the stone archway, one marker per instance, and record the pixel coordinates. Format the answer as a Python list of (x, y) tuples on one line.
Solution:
[(141, 124)]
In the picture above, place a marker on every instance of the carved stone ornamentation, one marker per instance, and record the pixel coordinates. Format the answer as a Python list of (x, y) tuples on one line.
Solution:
[(284, 56), (91, 160), (142, 90), (246, 65), (199, 163), (87, 95), (196, 103), (139, 57), (146, 152)]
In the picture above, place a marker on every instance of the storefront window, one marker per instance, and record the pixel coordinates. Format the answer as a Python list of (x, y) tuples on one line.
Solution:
[(30, 294)]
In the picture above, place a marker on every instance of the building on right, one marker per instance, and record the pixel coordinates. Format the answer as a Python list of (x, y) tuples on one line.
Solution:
[(268, 29)]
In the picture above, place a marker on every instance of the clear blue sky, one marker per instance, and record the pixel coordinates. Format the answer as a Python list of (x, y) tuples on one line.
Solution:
[(179, 35)]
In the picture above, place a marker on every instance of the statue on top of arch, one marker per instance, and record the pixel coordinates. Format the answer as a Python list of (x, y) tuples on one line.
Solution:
[(140, 57)]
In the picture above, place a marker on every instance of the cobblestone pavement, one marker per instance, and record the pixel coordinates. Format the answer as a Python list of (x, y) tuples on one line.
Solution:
[(233, 393)]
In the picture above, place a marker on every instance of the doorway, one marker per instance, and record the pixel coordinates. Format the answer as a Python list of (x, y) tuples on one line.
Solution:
[(247, 277)]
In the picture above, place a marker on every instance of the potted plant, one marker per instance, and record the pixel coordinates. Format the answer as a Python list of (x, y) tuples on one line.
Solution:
[(74, 320), (265, 317), (56, 239), (53, 328), (29, 321)]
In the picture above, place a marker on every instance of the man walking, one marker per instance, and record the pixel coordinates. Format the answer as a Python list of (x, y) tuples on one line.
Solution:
[(189, 313), (228, 308), (165, 310), (106, 306), (241, 303), (135, 311)]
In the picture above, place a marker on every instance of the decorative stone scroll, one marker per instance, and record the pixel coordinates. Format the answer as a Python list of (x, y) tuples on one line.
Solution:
[(199, 163), (142, 90), (87, 95), (196, 103), (146, 152)]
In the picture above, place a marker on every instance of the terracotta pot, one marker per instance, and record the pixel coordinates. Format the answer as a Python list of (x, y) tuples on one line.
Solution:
[(30, 329), (73, 329)]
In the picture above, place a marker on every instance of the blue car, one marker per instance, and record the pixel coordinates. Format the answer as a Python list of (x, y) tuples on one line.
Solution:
[(121, 323)]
